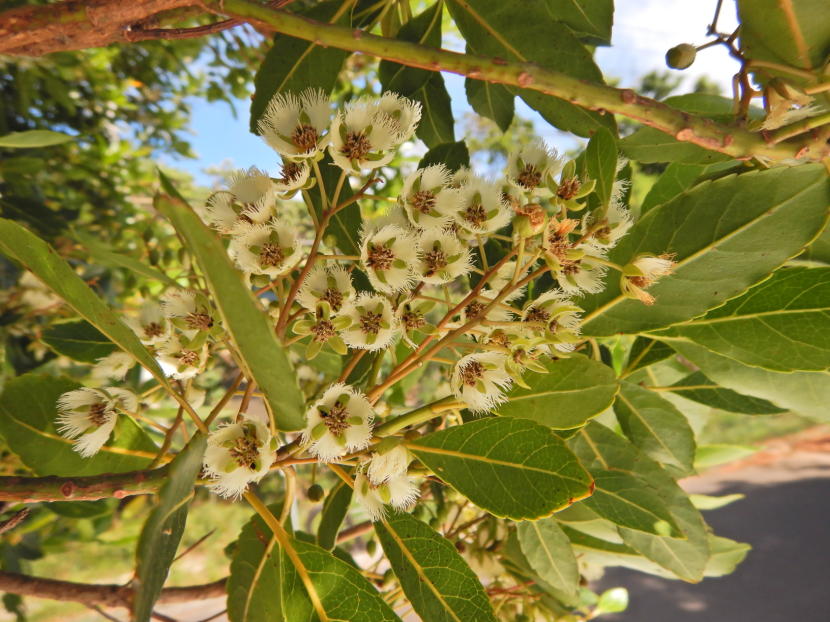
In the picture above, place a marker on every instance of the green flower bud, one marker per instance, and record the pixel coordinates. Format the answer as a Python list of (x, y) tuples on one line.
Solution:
[(681, 56)]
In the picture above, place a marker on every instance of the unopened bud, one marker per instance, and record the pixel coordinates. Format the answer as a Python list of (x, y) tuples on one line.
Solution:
[(681, 56), (530, 220), (315, 493)]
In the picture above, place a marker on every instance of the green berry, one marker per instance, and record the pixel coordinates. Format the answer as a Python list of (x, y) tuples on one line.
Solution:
[(681, 56), (315, 493)]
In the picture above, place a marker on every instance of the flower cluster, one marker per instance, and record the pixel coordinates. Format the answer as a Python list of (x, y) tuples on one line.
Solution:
[(482, 275)]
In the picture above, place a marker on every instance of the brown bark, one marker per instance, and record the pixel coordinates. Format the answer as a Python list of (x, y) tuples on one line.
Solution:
[(89, 488), (103, 595), (77, 24)]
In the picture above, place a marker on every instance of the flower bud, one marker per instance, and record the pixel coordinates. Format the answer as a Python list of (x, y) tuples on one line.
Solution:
[(315, 493), (681, 56)]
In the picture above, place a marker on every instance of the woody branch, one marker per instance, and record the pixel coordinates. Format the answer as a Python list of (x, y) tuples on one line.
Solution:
[(73, 25)]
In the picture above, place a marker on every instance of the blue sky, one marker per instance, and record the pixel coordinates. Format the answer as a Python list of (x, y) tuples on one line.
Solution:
[(643, 31)]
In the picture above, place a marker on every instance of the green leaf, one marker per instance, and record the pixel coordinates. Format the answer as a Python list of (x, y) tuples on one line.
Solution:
[(334, 511), (425, 29), (437, 124), (266, 360), (435, 578), (574, 390), (708, 502), (655, 426), (699, 388), (102, 254), (34, 138), (512, 468), (292, 65), (726, 555), (27, 423), (726, 235), (344, 592), (452, 155), (677, 178), (490, 100), (645, 352), (79, 340), (497, 28), (588, 19), (786, 33), (708, 456), (598, 448), (549, 553), (601, 163), (781, 324), (629, 501), (254, 586), (819, 250), (804, 392), (163, 529), (36, 255)]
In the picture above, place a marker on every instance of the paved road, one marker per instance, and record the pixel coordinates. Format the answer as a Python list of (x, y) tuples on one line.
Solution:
[(786, 518)]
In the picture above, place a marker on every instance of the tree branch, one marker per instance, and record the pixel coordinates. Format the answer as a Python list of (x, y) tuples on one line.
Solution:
[(106, 595), (90, 488)]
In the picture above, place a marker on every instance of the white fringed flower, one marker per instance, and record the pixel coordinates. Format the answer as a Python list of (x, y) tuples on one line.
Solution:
[(642, 273), (402, 113), (297, 127), (411, 315), (428, 199), (532, 166), (480, 379), (112, 367), (361, 138), (557, 317), (182, 359), (151, 325), (293, 176), (373, 324), (237, 455), (331, 283), (389, 256), (387, 465), (88, 416), (340, 422), (270, 250), (189, 311), (475, 310), (250, 186), (504, 277), (225, 213), (442, 257), (618, 222), (582, 275), (482, 209), (400, 492)]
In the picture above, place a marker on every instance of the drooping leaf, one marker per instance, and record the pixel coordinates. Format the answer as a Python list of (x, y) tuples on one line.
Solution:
[(452, 155), (34, 138), (254, 582), (266, 360), (549, 553), (601, 164), (574, 390), (37, 256), (805, 392), (699, 388), (163, 529), (425, 29), (513, 468), (27, 423), (435, 578), (588, 19), (437, 126), (334, 511), (709, 502), (726, 235), (496, 28), (79, 340), (726, 555), (490, 100), (345, 594), (781, 324), (645, 352), (598, 448), (655, 426), (292, 65)]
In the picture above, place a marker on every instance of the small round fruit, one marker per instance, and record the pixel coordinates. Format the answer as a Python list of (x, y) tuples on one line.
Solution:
[(681, 56), (315, 492)]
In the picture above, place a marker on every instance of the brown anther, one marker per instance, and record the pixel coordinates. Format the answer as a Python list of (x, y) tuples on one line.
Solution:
[(370, 322), (537, 314), (322, 331), (474, 309), (568, 188), (153, 329), (423, 201), (379, 257), (334, 297), (271, 255), (534, 212), (435, 260), (529, 177), (304, 137), (471, 373), (291, 171), (98, 413), (336, 419), (188, 357), (245, 450), (413, 320), (356, 146), (199, 320), (475, 214)]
